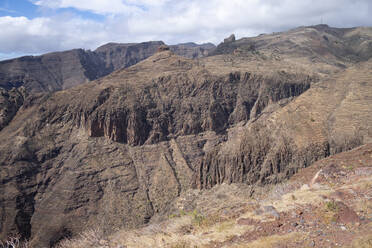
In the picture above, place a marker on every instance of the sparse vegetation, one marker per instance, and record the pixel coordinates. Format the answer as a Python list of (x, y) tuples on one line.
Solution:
[(271, 241), (225, 226), (349, 167), (14, 242), (329, 213), (332, 206), (197, 218), (90, 238), (182, 244), (171, 216), (364, 242)]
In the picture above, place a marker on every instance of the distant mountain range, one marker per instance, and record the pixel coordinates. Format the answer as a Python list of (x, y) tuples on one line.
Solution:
[(62, 70)]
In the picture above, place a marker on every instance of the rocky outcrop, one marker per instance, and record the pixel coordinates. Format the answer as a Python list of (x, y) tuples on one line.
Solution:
[(230, 39)]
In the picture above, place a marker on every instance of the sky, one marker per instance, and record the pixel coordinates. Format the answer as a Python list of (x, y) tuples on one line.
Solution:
[(32, 27)]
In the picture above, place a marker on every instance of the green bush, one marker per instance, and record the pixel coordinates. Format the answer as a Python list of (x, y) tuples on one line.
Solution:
[(332, 206)]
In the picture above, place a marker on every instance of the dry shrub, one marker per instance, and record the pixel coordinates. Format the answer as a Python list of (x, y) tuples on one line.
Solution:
[(90, 238), (278, 190), (273, 241), (14, 242), (328, 212), (181, 244)]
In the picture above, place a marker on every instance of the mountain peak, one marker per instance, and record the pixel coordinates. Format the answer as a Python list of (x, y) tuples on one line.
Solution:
[(229, 39)]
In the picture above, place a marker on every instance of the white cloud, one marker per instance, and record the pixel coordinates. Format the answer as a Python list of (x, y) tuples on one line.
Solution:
[(23, 35), (172, 21)]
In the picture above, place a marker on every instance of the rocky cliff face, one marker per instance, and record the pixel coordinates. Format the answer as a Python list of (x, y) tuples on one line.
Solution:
[(117, 151), (180, 104), (327, 119), (51, 72), (117, 56)]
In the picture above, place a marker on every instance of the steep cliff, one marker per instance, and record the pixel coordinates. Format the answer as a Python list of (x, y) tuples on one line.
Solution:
[(331, 117), (51, 72)]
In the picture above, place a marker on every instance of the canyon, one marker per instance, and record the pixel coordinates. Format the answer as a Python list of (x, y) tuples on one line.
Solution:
[(112, 138)]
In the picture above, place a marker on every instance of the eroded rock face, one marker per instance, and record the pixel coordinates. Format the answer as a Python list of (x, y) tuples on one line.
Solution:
[(278, 144), (260, 158), (208, 104)]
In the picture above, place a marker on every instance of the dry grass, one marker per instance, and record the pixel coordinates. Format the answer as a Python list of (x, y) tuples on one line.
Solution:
[(363, 242), (363, 205), (272, 241), (278, 190), (14, 242), (182, 244), (190, 230), (301, 196), (91, 238)]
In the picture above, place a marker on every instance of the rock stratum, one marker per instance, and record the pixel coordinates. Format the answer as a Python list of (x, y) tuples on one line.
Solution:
[(116, 152)]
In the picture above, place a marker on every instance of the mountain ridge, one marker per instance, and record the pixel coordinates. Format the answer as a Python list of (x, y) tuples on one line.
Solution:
[(62, 70)]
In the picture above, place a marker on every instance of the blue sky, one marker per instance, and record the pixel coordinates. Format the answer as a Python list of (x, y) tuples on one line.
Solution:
[(30, 27), (18, 8), (30, 10)]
